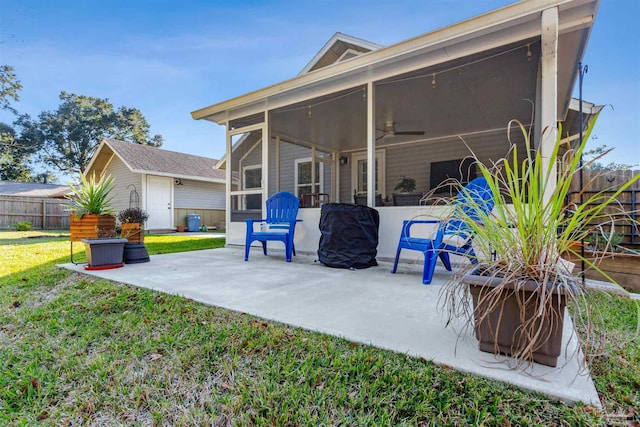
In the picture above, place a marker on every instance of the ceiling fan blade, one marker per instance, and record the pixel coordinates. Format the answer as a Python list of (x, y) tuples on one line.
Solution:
[(411, 132)]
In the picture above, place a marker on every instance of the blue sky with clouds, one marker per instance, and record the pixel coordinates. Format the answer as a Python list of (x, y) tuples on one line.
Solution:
[(168, 58)]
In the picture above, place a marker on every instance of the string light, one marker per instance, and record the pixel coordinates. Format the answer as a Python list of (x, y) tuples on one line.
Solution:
[(455, 67), (433, 79)]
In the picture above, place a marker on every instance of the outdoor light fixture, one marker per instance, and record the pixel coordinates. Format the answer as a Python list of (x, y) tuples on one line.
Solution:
[(529, 52), (177, 181), (344, 160), (433, 81)]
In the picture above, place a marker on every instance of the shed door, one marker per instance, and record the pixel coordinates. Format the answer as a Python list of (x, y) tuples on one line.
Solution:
[(159, 202)]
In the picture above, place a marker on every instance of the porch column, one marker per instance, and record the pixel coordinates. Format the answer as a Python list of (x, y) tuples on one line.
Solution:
[(266, 138), (227, 193), (549, 95), (371, 146)]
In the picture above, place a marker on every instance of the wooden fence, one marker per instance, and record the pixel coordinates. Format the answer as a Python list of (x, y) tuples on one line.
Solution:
[(626, 211), (42, 213)]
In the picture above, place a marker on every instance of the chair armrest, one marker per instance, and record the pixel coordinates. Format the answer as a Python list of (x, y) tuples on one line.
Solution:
[(407, 224)]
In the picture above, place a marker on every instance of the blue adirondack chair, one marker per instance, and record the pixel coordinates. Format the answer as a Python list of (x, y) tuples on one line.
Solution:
[(453, 236), (280, 224)]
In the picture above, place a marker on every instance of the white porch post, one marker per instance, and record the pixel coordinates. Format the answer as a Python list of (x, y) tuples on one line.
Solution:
[(227, 211), (277, 148), (549, 94), (265, 162), (371, 146)]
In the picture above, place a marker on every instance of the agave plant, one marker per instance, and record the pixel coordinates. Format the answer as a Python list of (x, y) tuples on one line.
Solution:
[(92, 196), (522, 241)]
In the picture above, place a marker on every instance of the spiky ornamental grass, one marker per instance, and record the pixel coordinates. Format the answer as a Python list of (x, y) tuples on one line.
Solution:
[(92, 196), (522, 241)]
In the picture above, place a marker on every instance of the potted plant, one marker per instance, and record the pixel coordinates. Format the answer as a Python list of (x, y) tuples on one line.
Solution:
[(90, 207), (132, 224), (521, 286), (406, 192), (92, 221)]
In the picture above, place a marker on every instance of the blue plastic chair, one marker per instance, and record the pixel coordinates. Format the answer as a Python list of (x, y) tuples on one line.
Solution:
[(280, 224), (441, 245)]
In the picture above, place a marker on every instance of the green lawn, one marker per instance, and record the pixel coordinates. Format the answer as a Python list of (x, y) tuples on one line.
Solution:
[(79, 351)]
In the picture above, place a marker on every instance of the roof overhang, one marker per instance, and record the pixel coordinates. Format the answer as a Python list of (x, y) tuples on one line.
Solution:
[(513, 23)]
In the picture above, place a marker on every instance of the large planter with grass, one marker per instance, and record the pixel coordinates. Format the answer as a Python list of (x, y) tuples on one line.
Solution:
[(505, 317), (91, 226)]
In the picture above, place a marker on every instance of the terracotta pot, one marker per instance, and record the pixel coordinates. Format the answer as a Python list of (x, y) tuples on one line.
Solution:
[(91, 226), (132, 231), (181, 228), (499, 328)]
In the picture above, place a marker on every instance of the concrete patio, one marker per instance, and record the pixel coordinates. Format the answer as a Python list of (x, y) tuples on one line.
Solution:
[(372, 306)]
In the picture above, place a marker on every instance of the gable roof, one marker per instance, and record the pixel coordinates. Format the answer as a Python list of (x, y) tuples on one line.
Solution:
[(156, 161), (33, 189), (513, 23), (334, 50)]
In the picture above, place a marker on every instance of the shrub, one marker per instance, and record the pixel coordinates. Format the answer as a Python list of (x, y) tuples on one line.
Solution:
[(23, 226)]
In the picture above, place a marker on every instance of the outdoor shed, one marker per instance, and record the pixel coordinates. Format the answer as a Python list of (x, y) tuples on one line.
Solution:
[(40, 204), (169, 185)]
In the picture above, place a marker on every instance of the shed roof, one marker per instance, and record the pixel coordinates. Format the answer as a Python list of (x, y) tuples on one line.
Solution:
[(33, 189), (156, 161)]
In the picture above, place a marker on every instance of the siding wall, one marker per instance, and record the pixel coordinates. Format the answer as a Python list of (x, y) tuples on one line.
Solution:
[(208, 217), (198, 194), (414, 160), (123, 177)]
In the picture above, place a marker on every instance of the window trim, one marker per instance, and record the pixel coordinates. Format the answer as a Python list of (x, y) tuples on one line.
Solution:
[(380, 157), (297, 185)]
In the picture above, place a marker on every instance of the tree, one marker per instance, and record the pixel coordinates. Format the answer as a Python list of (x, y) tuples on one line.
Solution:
[(592, 156), (10, 87), (70, 135), (14, 156)]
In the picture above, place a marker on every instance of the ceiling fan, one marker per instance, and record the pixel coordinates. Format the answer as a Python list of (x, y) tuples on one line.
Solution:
[(390, 130)]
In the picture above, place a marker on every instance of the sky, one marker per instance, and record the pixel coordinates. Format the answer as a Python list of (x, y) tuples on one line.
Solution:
[(168, 58)]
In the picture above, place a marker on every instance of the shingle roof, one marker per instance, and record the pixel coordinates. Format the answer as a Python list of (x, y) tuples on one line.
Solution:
[(142, 158), (32, 189)]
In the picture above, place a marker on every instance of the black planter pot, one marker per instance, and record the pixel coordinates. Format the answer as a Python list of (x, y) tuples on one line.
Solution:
[(135, 253)]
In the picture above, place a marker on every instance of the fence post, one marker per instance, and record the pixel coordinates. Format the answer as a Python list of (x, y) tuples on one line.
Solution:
[(44, 214)]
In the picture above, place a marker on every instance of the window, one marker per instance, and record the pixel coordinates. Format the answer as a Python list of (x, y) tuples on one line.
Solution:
[(359, 172), (302, 177), (252, 179)]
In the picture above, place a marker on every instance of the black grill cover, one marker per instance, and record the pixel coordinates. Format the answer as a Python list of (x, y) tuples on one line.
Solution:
[(349, 236)]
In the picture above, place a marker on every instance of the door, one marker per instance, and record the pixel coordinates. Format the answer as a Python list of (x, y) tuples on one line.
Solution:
[(159, 202)]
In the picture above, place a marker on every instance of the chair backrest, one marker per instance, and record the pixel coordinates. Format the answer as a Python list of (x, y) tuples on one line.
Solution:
[(282, 207), (475, 197)]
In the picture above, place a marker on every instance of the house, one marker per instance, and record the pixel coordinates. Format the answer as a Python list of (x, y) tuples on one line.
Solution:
[(360, 116), (167, 184), (40, 204)]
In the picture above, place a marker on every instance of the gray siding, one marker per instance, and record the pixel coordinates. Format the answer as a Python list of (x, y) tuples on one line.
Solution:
[(289, 153), (199, 195), (414, 160), (123, 177)]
